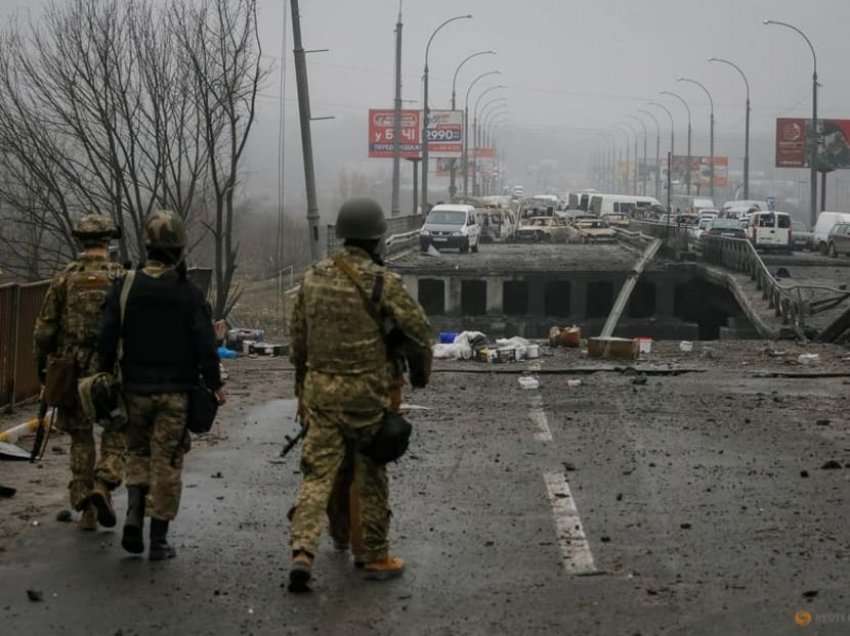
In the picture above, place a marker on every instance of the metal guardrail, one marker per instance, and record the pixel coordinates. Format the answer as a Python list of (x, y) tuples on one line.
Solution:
[(793, 303), (19, 307)]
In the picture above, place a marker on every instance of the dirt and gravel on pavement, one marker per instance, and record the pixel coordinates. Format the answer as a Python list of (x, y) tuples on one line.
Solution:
[(689, 493)]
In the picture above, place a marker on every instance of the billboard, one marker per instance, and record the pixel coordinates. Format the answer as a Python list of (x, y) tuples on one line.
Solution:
[(382, 128), (445, 133), (700, 169), (794, 136)]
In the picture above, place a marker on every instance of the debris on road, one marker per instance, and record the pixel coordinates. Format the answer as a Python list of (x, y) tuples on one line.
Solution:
[(6, 492), (831, 465), (64, 516), (565, 336), (528, 383), (616, 348), (36, 596), (808, 359)]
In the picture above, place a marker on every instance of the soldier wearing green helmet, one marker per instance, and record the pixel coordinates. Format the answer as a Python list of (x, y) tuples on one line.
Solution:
[(349, 315), (165, 328), (66, 350)]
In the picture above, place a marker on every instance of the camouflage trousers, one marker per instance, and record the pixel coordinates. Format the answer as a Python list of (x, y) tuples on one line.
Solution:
[(157, 439), (329, 437), (86, 467)]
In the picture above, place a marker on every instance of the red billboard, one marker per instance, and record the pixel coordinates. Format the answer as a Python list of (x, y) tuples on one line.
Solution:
[(793, 138), (382, 129)]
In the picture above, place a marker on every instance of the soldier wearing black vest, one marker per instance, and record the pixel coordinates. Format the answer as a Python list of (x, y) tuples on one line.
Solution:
[(168, 343)]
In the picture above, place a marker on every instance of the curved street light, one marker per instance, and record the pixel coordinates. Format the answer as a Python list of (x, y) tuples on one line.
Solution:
[(635, 171), (477, 131), (690, 136), (495, 119), (622, 127), (426, 110), (672, 152), (813, 155), (645, 135), (721, 60), (466, 127), (652, 116), (688, 80), (453, 168)]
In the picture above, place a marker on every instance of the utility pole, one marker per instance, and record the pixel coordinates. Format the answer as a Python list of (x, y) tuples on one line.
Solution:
[(395, 206), (306, 136)]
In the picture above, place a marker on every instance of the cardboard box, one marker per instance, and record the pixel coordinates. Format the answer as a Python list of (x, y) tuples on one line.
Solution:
[(613, 348)]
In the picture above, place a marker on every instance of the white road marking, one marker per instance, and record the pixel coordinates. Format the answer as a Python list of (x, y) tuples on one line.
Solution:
[(575, 548), (538, 417)]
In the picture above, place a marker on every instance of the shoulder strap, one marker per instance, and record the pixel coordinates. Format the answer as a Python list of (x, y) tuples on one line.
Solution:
[(125, 294), (372, 303)]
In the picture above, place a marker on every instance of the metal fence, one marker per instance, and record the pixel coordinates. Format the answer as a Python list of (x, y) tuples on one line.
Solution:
[(395, 225), (19, 307)]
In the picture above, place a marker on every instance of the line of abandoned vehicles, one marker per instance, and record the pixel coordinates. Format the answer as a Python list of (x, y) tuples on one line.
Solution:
[(593, 217)]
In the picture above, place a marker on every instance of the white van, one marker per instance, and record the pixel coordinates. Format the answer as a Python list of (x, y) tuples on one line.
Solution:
[(826, 221), (770, 231), (602, 204), (452, 226)]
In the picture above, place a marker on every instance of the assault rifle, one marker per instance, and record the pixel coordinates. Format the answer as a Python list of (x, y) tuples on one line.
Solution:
[(292, 442), (42, 433)]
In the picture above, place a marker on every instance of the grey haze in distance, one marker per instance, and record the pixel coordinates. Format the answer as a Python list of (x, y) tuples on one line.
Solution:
[(569, 65)]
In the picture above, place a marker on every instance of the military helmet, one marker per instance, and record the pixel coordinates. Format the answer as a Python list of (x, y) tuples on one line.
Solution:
[(165, 229), (94, 226), (360, 219)]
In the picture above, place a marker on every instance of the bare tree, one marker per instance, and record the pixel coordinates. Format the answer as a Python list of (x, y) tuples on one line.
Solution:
[(221, 40)]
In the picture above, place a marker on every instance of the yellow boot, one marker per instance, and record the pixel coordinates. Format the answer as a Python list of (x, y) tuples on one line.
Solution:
[(383, 570)]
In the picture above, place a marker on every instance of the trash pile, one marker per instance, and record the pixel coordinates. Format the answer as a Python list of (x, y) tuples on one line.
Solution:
[(565, 336), (474, 345), (249, 342)]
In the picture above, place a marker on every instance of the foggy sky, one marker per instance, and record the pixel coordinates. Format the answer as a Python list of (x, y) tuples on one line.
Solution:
[(570, 65)]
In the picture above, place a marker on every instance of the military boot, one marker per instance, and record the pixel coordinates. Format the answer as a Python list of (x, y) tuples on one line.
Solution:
[(300, 571), (160, 549), (383, 570), (133, 540), (101, 499), (88, 520)]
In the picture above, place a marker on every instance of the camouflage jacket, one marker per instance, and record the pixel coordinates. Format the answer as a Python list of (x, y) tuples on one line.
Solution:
[(68, 326), (338, 348)]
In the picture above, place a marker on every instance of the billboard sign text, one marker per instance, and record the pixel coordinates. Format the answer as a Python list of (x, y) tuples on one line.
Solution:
[(445, 133), (794, 136), (382, 129)]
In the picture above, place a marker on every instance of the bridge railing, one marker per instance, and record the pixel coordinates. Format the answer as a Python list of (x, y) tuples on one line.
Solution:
[(739, 255)]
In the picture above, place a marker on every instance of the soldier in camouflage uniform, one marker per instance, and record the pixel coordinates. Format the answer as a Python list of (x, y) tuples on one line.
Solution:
[(344, 380), (168, 346), (67, 328)]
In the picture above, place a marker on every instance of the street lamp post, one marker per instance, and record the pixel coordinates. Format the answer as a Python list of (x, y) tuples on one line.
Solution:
[(710, 132), (746, 125), (486, 120), (672, 151), (453, 173), (690, 136), (476, 129), (426, 113), (498, 120), (645, 135), (657, 151), (622, 127), (466, 128), (813, 155)]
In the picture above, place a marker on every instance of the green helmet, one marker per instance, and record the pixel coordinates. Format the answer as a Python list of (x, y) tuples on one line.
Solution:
[(360, 219), (165, 229), (95, 226)]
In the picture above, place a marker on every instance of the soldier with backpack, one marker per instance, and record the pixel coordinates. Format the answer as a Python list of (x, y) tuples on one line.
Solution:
[(66, 350)]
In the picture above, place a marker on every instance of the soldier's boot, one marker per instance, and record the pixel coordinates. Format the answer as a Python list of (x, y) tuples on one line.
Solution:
[(88, 520), (300, 571), (101, 499), (133, 540), (160, 549), (383, 570)]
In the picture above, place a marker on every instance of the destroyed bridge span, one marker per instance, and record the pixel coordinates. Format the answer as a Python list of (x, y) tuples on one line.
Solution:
[(719, 288)]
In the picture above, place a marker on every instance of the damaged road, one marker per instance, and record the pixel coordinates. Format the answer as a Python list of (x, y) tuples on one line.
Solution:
[(684, 504)]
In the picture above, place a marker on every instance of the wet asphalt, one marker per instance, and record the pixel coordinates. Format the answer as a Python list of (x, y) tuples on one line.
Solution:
[(690, 490)]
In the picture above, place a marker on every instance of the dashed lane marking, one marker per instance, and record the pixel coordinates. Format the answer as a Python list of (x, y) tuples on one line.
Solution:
[(538, 417), (575, 549)]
